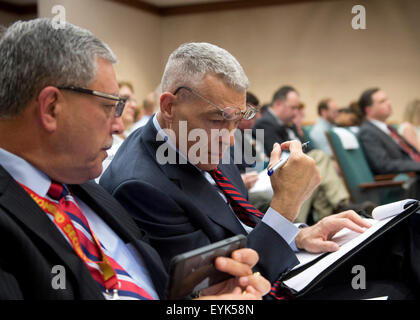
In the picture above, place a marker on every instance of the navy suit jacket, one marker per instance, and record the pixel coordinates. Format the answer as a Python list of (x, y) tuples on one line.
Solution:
[(383, 154), (180, 209), (31, 245)]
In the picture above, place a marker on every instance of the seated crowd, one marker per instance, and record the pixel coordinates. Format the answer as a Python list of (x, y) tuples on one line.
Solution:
[(172, 182)]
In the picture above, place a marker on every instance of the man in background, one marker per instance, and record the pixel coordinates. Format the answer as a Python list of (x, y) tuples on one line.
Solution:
[(331, 196), (328, 112), (385, 150)]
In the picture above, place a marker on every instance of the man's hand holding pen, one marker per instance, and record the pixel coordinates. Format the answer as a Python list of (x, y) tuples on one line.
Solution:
[(295, 182)]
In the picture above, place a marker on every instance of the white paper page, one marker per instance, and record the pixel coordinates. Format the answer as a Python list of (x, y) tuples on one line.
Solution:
[(302, 279), (390, 209), (263, 183)]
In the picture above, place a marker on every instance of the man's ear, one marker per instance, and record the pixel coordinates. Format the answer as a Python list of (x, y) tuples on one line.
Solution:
[(167, 100), (49, 108), (368, 111)]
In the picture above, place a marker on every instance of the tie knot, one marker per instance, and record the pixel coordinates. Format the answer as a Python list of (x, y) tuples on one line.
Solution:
[(57, 190)]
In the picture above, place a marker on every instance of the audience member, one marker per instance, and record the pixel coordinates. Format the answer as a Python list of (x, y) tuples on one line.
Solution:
[(148, 111), (331, 196), (298, 122), (55, 129), (386, 151), (410, 128), (181, 203), (126, 90), (188, 203), (350, 117), (328, 112)]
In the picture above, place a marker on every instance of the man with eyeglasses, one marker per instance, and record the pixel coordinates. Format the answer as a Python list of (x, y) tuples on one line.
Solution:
[(172, 179), (62, 237)]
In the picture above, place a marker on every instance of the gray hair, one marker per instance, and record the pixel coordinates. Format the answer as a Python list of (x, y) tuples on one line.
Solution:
[(188, 65), (36, 54)]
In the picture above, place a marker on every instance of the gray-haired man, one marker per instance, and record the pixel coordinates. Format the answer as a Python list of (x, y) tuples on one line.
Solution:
[(171, 177)]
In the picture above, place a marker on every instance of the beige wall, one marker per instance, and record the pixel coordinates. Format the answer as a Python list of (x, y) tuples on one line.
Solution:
[(313, 47), (132, 34), (309, 45), (7, 18)]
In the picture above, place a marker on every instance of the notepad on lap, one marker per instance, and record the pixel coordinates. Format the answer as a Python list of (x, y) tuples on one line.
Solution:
[(313, 266)]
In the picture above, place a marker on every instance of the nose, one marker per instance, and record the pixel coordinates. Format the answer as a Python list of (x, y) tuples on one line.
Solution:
[(117, 125), (227, 138), (232, 138)]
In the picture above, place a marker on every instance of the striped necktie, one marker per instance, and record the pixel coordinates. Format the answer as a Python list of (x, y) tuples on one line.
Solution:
[(404, 145), (247, 213), (125, 288)]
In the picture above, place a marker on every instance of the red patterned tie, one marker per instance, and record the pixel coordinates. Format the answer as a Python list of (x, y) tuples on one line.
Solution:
[(245, 212), (126, 289), (408, 149)]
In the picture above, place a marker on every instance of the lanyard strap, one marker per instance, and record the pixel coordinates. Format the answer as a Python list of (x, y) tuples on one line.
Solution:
[(63, 221)]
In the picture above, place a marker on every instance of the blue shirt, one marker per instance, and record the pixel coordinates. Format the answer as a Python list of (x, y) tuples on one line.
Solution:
[(125, 254), (318, 138), (287, 230)]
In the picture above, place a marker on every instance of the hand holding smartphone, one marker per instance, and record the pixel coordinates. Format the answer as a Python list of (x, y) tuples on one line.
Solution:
[(194, 271)]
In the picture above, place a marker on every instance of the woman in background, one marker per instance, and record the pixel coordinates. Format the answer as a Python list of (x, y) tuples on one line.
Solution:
[(410, 128)]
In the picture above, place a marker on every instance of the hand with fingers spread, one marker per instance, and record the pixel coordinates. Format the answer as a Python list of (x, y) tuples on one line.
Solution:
[(317, 238), (295, 181), (245, 285)]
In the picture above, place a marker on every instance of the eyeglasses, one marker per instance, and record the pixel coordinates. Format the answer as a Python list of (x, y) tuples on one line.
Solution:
[(228, 113), (119, 107)]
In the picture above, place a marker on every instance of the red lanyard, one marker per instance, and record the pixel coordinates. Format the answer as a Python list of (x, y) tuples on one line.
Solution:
[(62, 220)]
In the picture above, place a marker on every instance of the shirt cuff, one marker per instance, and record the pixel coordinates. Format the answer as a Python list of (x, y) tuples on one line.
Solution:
[(286, 229)]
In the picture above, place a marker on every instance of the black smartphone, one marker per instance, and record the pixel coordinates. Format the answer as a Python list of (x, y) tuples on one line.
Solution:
[(194, 270)]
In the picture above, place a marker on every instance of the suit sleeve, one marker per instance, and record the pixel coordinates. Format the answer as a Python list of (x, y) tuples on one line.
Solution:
[(9, 287), (378, 157)]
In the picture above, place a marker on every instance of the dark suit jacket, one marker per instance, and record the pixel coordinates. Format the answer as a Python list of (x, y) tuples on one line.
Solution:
[(31, 245), (180, 209), (274, 132), (383, 154)]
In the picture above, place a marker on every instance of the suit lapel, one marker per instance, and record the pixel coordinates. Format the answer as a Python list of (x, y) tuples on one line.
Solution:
[(386, 138), (15, 200), (195, 187)]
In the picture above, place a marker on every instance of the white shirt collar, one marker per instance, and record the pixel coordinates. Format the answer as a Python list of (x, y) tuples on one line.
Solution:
[(25, 173)]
